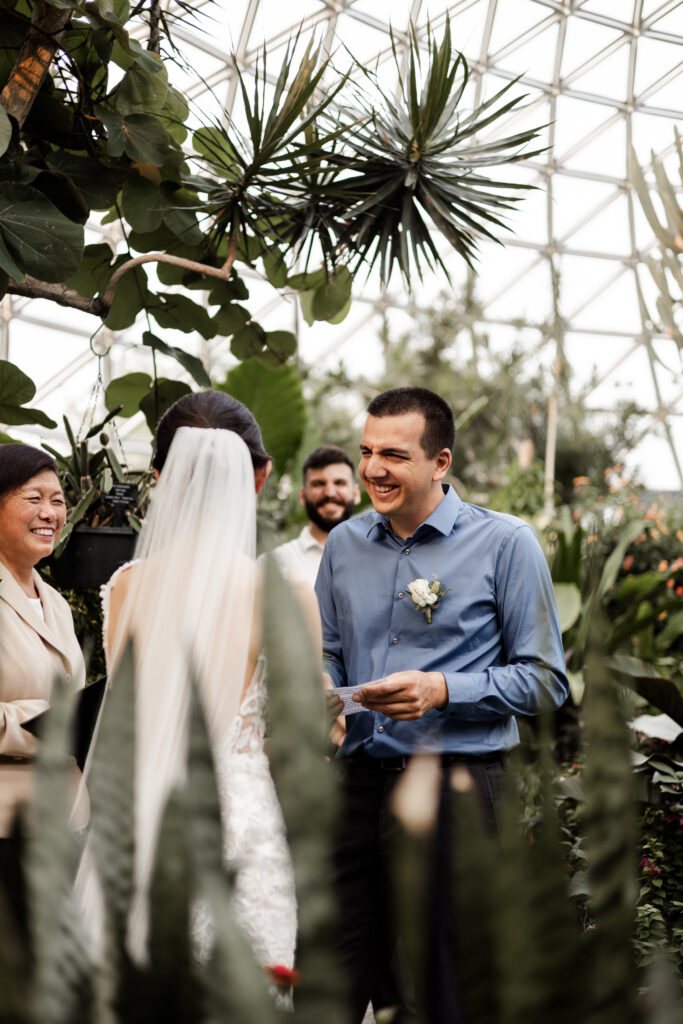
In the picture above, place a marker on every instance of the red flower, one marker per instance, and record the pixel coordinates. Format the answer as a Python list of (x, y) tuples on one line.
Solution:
[(282, 975)]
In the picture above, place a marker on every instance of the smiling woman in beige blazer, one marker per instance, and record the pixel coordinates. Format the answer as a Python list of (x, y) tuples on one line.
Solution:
[(37, 639)]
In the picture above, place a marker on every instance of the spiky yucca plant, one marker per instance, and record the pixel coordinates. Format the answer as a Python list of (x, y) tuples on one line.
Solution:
[(366, 182)]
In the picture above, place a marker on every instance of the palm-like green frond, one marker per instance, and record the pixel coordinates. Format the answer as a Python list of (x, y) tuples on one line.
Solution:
[(413, 163)]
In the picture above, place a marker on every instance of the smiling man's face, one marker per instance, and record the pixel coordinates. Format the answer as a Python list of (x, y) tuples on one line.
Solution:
[(329, 495), (403, 482)]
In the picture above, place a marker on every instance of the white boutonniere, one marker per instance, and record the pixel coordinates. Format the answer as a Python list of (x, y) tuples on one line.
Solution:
[(427, 596)]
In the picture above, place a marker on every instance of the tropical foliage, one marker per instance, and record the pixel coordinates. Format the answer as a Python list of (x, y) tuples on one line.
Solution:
[(312, 179), (527, 948)]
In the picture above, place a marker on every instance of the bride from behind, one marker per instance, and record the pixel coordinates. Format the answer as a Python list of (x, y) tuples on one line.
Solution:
[(193, 596)]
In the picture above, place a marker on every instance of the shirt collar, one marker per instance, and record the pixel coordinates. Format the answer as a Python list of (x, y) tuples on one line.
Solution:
[(308, 541), (442, 518)]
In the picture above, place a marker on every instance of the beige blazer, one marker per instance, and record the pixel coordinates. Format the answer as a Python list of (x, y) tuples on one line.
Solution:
[(32, 654)]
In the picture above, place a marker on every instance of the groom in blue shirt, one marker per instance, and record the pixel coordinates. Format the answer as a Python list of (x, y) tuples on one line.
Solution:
[(458, 655)]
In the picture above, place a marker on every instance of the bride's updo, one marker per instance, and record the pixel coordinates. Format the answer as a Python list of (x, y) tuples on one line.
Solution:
[(209, 409)]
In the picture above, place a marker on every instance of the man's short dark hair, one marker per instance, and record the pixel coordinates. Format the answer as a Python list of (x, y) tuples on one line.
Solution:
[(439, 429), (326, 455)]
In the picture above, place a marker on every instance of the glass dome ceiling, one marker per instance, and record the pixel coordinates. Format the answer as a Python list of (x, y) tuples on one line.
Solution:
[(603, 75)]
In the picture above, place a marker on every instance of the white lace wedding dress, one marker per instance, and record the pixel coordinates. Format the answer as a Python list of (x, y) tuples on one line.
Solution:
[(254, 842)]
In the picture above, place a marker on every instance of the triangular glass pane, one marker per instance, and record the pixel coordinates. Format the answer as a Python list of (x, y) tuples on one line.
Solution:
[(616, 10), (608, 78), (653, 60), (573, 199), (512, 20), (606, 154), (535, 58), (615, 308), (671, 22), (583, 40), (575, 120), (606, 231)]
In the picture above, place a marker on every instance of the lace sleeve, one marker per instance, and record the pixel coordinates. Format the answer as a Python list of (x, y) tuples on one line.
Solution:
[(105, 592)]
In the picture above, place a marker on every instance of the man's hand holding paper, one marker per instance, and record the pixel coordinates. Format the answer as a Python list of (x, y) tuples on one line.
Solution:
[(403, 696)]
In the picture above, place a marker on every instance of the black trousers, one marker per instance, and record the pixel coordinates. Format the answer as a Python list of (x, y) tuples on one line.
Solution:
[(369, 942)]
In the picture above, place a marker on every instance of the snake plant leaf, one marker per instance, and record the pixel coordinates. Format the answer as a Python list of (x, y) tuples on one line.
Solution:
[(35, 237), (111, 787), (305, 786), (59, 947), (610, 842)]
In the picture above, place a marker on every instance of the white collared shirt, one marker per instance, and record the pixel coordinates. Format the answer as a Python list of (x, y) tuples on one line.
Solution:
[(300, 557)]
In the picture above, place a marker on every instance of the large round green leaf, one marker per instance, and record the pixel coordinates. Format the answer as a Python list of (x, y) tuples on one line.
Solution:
[(248, 341), (281, 343), (15, 387), (568, 598), (331, 297), (230, 318), (35, 238), (159, 399), (142, 91), (5, 131), (95, 270), (141, 204), (15, 390), (276, 399), (127, 391)]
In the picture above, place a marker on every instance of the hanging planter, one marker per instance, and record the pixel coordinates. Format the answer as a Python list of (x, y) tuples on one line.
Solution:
[(93, 555), (106, 502)]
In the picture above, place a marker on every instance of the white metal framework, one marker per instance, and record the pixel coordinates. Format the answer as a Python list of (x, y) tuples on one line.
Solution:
[(603, 75)]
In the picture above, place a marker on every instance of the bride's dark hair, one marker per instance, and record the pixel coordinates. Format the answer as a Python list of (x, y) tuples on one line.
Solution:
[(209, 409)]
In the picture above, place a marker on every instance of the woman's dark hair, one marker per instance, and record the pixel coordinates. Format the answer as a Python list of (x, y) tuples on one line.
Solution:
[(439, 429), (209, 409), (19, 463)]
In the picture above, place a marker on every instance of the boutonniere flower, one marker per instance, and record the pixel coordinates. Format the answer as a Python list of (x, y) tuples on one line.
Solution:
[(427, 596)]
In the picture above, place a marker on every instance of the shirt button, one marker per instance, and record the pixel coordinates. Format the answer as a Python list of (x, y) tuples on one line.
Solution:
[(407, 551), (395, 640), (381, 729), (401, 595)]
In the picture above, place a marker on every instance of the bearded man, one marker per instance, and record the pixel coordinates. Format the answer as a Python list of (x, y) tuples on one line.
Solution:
[(329, 495)]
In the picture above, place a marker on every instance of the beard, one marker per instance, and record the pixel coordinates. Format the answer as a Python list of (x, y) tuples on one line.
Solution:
[(322, 522)]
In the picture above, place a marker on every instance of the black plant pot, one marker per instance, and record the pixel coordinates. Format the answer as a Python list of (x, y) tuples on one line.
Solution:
[(92, 555)]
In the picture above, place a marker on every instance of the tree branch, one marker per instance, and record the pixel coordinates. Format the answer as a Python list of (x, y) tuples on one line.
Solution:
[(32, 288), (33, 62)]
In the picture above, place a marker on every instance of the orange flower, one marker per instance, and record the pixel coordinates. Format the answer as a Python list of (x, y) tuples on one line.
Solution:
[(627, 563), (670, 582), (581, 481), (663, 565), (679, 591)]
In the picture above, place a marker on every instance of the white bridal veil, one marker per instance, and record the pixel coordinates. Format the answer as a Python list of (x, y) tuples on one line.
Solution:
[(190, 600)]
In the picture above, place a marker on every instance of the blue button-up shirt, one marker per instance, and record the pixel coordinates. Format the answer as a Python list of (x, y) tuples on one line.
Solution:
[(495, 635)]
